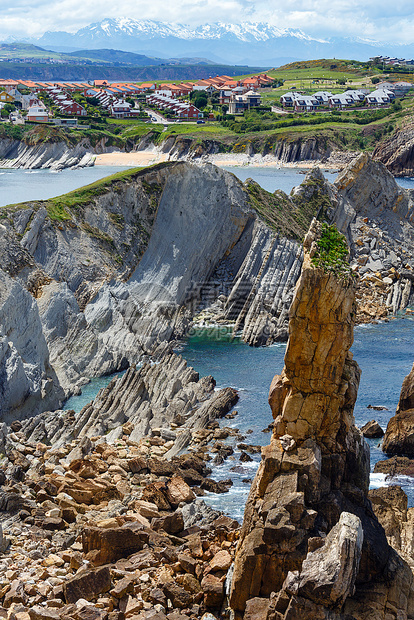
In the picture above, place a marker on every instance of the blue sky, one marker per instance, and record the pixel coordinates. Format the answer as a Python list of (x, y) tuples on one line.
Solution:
[(373, 19)]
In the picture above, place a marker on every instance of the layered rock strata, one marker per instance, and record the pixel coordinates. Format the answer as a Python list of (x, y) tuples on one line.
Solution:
[(375, 214), (310, 544), (396, 152), (53, 155), (166, 395), (136, 259)]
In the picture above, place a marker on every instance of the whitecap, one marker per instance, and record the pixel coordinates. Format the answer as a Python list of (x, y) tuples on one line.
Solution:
[(377, 480)]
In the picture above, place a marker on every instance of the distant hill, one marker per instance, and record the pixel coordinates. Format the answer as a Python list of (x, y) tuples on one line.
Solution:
[(21, 49), (118, 57), (61, 72)]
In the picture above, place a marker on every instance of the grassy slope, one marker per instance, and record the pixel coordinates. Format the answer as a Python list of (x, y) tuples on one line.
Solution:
[(290, 216)]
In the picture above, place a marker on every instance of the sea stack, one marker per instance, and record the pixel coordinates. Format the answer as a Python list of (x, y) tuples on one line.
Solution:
[(310, 545)]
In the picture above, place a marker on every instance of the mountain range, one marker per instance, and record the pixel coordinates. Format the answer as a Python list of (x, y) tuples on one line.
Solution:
[(247, 43)]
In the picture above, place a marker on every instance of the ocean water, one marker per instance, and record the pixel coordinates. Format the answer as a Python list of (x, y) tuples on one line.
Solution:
[(22, 185), (286, 178), (384, 353), (271, 178)]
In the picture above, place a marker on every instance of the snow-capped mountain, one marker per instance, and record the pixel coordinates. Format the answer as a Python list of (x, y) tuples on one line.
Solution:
[(150, 29), (251, 43)]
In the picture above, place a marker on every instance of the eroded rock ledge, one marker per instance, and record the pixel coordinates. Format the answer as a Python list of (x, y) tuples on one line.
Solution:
[(165, 394), (311, 545)]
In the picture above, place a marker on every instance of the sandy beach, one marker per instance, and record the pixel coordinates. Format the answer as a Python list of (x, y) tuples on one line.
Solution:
[(149, 158), (138, 158)]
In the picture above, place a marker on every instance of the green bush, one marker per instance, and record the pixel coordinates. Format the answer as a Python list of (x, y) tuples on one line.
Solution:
[(332, 252)]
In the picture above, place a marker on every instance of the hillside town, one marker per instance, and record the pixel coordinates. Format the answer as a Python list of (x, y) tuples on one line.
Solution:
[(384, 94), (63, 103), (41, 102)]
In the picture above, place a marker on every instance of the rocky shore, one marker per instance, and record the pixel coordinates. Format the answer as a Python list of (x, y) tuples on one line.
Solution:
[(103, 282), (102, 512), (110, 531)]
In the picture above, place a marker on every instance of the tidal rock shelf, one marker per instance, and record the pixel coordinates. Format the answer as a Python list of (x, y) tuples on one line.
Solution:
[(166, 395)]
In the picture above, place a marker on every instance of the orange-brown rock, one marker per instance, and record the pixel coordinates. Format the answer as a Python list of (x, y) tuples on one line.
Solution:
[(399, 436), (104, 546), (87, 584)]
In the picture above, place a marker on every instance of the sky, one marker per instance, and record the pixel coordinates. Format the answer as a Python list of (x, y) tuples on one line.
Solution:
[(379, 20)]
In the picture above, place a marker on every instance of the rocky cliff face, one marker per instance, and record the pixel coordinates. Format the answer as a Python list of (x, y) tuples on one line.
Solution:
[(310, 544), (17, 154), (376, 215), (26, 375), (397, 152), (131, 262)]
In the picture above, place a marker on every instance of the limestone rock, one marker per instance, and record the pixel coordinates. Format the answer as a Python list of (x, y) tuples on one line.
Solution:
[(395, 152), (399, 436), (149, 397), (28, 382), (328, 574), (406, 400), (108, 545)]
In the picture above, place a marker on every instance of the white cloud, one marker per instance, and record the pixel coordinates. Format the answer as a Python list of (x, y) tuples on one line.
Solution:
[(376, 19)]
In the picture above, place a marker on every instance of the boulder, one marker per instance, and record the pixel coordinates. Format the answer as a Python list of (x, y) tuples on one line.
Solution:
[(328, 574), (104, 546), (213, 590), (372, 430), (221, 561), (179, 491), (87, 584), (16, 594), (172, 523), (399, 436), (178, 596), (395, 466)]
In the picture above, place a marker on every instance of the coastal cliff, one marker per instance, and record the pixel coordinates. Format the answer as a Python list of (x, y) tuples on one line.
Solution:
[(56, 148), (396, 152), (123, 265), (310, 544)]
